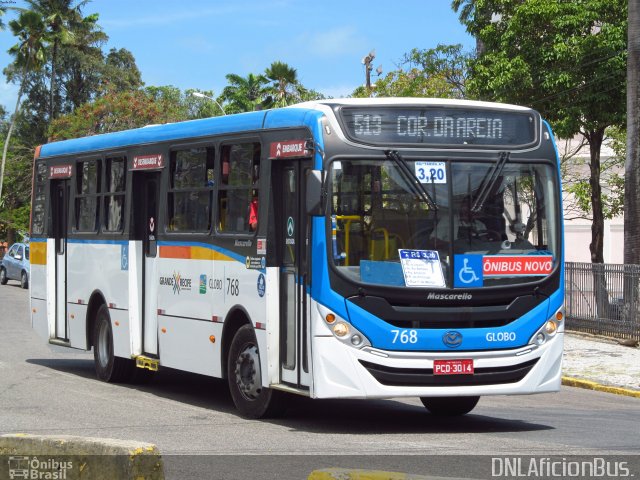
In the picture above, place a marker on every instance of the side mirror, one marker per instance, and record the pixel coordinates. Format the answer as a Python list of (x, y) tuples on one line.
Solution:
[(314, 193)]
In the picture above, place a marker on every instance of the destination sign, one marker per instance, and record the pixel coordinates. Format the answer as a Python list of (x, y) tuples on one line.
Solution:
[(440, 126)]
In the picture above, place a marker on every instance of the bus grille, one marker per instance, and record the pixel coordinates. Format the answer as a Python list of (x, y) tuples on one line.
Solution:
[(424, 377)]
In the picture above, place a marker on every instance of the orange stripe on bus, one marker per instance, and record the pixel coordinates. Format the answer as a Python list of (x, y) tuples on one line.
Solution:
[(175, 252), (193, 253), (38, 253)]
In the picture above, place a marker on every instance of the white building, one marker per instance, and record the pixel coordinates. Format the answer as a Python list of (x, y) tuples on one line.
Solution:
[(578, 230)]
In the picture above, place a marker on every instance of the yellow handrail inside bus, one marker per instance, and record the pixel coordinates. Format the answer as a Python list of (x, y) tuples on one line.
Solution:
[(347, 228)]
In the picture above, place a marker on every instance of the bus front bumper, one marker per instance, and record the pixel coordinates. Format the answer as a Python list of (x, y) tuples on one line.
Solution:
[(340, 371)]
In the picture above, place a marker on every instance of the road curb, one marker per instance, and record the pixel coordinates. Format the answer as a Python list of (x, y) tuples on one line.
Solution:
[(81, 457), (589, 385)]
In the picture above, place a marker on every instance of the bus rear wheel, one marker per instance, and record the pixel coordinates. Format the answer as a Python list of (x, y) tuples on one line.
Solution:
[(449, 406), (245, 378), (109, 368)]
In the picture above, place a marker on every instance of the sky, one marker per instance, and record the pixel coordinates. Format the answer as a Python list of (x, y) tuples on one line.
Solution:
[(195, 43)]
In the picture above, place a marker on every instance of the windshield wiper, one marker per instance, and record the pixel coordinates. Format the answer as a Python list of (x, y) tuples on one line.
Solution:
[(490, 180), (410, 176)]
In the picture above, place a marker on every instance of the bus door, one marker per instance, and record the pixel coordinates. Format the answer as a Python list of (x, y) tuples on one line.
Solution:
[(60, 191), (293, 239), (146, 194)]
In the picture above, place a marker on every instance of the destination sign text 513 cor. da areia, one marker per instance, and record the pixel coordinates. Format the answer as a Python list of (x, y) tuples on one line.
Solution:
[(441, 126)]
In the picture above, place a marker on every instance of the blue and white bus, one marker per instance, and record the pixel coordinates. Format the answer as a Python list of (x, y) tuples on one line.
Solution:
[(335, 249)]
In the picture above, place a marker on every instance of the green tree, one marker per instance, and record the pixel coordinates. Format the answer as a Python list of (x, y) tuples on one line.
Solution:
[(29, 55), (81, 68), (121, 72), (566, 59), (439, 72), (116, 111), (64, 20), (284, 83), (245, 94)]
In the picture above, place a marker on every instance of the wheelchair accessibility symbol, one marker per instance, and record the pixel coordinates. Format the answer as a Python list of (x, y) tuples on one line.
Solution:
[(468, 271)]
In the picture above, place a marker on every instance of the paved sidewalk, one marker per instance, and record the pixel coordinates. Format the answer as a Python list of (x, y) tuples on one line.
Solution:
[(594, 362)]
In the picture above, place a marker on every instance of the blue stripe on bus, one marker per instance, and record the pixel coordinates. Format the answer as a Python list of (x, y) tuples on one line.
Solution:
[(384, 336), (99, 242)]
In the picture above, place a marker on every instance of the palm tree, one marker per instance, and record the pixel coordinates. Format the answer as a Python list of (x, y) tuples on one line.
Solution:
[(3, 10), (62, 19), (285, 79), (245, 94), (29, 55)]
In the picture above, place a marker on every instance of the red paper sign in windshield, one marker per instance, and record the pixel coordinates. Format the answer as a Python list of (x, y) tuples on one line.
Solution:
[(501, 266)]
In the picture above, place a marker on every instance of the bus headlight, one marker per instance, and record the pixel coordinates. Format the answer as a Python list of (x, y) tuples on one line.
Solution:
[(552, 326), (340, 329)]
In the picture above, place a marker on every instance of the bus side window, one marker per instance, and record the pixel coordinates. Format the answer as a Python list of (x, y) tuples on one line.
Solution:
[(114, 197), (238, 189), (87, 191), (189, 199)]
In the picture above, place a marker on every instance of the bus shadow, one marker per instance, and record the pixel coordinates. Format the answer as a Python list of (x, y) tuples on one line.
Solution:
[(391, 417), (304, 414), (188, 388)]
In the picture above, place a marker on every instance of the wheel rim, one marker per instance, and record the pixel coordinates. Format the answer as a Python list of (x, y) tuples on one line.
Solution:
[(104, 343), (247, 372)]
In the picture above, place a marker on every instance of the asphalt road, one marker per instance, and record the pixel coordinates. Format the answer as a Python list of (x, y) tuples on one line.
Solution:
[(51, 390)]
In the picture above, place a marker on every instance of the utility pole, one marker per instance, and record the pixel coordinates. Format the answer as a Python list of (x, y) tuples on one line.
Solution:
[(367, 62), (632, 161)]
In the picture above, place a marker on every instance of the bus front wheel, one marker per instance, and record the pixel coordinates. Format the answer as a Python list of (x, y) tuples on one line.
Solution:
[(245, 378), (109, 368), (449, 406)]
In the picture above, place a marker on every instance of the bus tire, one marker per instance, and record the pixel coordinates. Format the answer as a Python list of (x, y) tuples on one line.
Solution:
[(3, 276), (449, 406), (109, 368), (24, 280), (244, 375)]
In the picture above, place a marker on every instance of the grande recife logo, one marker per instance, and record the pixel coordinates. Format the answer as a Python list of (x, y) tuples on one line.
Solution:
[(500, 266)]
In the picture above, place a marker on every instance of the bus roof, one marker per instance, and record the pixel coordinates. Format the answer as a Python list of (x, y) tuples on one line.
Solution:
[(243, 122), (302, 114), (414, 101)]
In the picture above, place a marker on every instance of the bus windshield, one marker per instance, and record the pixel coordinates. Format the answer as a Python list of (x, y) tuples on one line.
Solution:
[(498, 218)]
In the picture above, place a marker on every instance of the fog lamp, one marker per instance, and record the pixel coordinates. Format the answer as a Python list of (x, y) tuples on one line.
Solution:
[(356, 340), (540, 338), (340, 329)]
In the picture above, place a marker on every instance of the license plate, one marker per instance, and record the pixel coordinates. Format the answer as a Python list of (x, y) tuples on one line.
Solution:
[(453, 367)]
